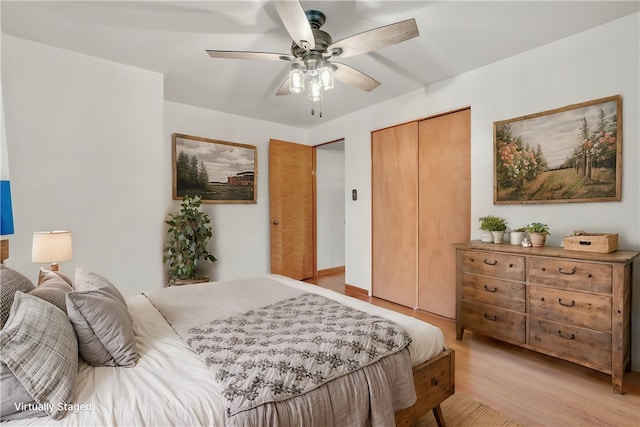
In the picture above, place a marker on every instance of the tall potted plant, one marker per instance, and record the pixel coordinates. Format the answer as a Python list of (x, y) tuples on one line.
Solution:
[(188, 235)]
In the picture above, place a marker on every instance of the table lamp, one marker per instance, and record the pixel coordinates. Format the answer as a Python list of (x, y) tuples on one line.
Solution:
[(51, 247)]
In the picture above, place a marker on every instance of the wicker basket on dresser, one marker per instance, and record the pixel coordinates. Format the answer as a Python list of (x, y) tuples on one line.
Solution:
[(568, 304)]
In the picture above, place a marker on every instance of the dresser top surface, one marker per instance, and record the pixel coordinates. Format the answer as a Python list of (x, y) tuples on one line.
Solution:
[(619, 256)]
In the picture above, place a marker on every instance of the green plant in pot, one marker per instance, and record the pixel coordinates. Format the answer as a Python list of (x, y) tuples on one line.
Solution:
[(495, 225), (538, 233), (518, 235), (188, 235)]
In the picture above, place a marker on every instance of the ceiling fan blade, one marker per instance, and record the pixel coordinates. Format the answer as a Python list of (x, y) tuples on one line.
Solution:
[(250, 55), (284, 88), (377, 38), (354, 77), (295, 21)]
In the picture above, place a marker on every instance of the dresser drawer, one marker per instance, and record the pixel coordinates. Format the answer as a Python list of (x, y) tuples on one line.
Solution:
[(494, 322), (492, 291), (571, 274), (502, 266), (571, 342), (589, 310)]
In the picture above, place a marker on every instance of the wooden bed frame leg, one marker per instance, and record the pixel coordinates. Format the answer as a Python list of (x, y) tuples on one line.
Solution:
[(437, 413)]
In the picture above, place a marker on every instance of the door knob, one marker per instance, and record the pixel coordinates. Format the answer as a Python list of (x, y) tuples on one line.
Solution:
[(275, 222)]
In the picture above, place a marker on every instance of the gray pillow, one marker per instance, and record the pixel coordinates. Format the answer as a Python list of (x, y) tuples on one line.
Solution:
[(39, 346), (17, 403), (103, 327), (11, 282), (52, 288), (87, 281), (44, 273)]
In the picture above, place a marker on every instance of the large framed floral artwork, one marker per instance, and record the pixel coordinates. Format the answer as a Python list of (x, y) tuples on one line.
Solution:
[(565, 155)]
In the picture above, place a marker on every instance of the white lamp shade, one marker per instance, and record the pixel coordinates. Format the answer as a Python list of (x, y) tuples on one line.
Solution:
[(315, 90), (296, 79), (51, 246), (325, 75)]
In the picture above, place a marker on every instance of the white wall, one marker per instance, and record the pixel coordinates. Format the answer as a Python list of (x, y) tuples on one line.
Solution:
[(240, 231), (597, 63), (330, 206), (84, 138)]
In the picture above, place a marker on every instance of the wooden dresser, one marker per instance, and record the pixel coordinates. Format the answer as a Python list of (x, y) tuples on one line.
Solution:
[(568, 304)]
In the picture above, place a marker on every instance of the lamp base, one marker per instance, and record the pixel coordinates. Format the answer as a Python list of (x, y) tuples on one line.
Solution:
[(54, 266)]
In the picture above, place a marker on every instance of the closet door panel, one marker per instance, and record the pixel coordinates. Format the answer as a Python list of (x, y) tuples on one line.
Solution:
[(444, 207), (394, 186)]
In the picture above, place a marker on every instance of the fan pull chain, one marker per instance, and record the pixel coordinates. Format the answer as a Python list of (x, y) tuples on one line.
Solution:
[(313, 110)]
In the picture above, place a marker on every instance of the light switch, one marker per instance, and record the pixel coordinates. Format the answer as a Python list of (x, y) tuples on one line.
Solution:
[(354, 194)]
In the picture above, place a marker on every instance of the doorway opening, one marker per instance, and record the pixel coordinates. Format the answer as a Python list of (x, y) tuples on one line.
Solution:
[(330, 207)]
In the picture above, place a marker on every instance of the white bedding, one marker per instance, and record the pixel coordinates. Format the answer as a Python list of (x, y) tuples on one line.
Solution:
[(171, 385)]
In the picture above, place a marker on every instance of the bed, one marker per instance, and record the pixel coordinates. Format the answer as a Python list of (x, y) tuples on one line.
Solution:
[(172, 384)]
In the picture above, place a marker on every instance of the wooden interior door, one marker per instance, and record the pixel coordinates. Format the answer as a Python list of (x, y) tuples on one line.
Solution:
[(292, 209), (444, 207), (394, 192)]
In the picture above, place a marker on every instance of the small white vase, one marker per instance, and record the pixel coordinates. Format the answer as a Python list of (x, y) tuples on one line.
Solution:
[(517, 236), (486, 236), (497, 236)]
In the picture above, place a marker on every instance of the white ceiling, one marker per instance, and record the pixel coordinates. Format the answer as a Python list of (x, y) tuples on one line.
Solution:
[(170, 37)]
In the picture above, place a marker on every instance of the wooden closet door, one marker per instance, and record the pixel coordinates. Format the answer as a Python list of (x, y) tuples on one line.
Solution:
[(444, 207), (394, 188)]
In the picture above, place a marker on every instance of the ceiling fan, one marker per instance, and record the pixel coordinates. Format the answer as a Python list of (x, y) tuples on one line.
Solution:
[(313, 49)]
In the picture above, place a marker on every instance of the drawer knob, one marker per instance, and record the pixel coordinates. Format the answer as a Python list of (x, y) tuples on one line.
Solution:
[(566, 337), (494, 262), (492, 318), (571, 304), (486, 288), (573, 271)]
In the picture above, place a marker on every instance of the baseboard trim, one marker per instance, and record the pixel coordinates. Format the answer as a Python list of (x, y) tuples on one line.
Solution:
[(332, 270), (356, 290)]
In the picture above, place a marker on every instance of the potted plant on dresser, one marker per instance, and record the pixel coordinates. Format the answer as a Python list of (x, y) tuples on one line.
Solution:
[(495, 225), (188, 235), (518, 235), (538, 233)]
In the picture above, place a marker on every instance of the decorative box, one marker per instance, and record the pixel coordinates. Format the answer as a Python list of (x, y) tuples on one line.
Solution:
[(591, 242)]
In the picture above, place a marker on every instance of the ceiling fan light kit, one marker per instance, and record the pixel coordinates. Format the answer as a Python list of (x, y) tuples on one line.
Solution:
[(312, 49)]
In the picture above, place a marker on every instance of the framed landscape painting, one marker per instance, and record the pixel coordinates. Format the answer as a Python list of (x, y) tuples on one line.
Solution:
[(217, 171), (570, 154)]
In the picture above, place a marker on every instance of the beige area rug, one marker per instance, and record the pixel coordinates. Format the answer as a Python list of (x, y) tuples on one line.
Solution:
[(461, 410)]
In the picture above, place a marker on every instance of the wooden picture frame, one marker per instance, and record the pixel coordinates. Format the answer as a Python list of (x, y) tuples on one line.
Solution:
[(217, 171), (565, 155)]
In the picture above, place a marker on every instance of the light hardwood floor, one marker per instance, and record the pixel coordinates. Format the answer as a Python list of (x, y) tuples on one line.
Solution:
[(532, 388)]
